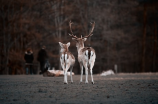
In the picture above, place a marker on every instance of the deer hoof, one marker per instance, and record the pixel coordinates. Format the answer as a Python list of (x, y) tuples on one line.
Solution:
[(86, 82), (65, 83), (92, 82)]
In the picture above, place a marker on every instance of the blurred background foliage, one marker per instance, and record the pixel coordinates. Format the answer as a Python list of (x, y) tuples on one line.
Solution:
[(125, 33)]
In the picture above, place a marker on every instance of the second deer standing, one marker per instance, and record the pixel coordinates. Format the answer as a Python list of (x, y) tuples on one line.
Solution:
[(67, 60)]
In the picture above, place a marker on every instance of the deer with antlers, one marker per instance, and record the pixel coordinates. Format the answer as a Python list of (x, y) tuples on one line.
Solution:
[(86, 55), (67, 60)]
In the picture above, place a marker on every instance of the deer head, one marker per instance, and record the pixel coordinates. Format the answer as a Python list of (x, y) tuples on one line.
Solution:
[(64, 47), (80, 41)]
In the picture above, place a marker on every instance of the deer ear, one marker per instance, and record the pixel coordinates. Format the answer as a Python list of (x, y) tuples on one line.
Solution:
[(68, 44), (61, 45), (85, 39)]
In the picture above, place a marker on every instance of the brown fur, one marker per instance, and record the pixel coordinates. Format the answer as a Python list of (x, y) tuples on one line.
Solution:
[(88, 48), (66, 48), (69, 54)]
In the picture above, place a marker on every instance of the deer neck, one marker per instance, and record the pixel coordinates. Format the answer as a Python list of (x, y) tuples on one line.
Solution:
[(64, 50), (80, 47)]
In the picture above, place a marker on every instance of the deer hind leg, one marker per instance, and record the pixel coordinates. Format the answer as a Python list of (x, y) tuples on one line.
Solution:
[(65, 73), (91, 71), (86, 72), (81, 67), (65, 77), (71, 73), (64, 70)]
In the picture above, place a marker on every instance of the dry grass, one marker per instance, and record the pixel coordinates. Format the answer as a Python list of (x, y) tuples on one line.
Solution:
[(116, 89)]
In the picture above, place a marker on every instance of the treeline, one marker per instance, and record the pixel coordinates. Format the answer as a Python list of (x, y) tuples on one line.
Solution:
[(125, 33)]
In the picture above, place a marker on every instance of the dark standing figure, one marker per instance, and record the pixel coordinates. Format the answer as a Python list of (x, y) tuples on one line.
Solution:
[(42, 58), (29, 59)]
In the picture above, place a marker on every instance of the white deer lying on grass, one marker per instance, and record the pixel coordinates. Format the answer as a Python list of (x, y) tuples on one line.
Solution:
[(67, 60), (86, 55), (56, 73)]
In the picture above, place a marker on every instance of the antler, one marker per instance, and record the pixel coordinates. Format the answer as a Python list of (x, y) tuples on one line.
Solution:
[(90, 34), (70, 23)]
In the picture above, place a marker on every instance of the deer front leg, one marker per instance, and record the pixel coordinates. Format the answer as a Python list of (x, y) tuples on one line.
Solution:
[(81, 67)]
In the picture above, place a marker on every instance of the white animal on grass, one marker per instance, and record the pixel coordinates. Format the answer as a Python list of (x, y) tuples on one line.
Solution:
[(67, 60), (59, 72), (108, 72), (55, 73), (86, 55)]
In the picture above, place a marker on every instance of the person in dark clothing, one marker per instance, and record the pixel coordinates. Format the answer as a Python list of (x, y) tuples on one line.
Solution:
[(29, 60), (42, 58)]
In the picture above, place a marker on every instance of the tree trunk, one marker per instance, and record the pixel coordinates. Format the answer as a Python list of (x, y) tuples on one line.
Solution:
[(108, 53), (5, 48), (58, 30), (144, 39), (155, 46)]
